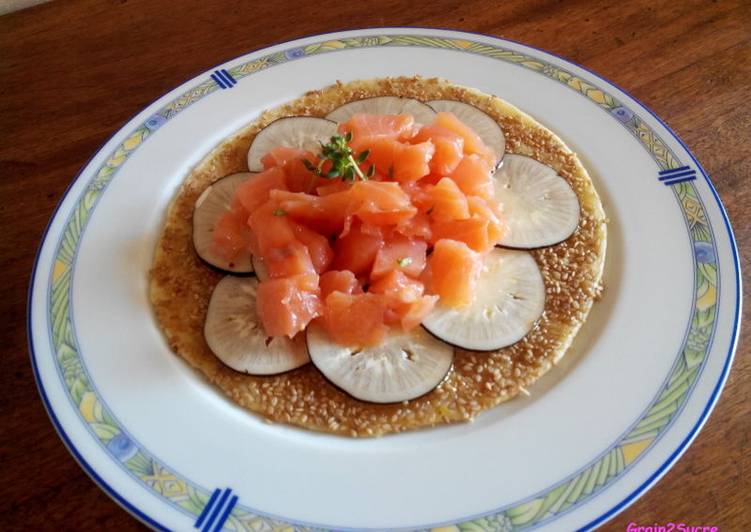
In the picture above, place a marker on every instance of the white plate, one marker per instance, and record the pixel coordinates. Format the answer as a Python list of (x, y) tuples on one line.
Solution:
[(632, 393)]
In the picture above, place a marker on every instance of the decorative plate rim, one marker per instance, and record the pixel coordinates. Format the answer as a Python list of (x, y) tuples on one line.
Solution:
[(209, 86)]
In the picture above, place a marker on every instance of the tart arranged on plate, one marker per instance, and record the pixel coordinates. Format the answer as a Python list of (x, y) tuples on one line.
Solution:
[(379, 256)]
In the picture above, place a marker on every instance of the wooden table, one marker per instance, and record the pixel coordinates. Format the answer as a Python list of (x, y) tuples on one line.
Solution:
[(73, 72)]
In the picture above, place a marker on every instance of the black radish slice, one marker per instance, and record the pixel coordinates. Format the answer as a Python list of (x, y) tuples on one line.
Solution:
[(509, 298), (235, 334), (303, 132), (210, 206), (539, 206), (402, 367), (384, 105)]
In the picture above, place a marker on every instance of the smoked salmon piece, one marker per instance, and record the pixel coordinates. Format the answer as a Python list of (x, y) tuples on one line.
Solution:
[(402, 162), (286, 305), (332, 186), (449, 148), (356, 251), (473, 177), (292, 161), (473, 232), (402, 254), (339, 281), (406, 304), (289, 260), (418, 226), (271, 227), (231, 234), (324, 214), (366, 129), (379, 203), (417, 311), (398, 287), (473, 144), (490, 211), (454, 270), (255, 191), (300, 179), (318, 246), (419, 194), (356, 320), (372, 202), (448, 202)]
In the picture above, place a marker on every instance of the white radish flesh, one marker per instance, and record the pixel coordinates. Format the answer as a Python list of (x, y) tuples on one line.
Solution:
[(301, 132), (539, 206), (235, 334), (509, 299), (402, 367), (384, 105)]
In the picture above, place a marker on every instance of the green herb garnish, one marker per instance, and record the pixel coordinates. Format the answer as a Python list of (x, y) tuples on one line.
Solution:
[(344, 162), (280, 212), (404, 262)]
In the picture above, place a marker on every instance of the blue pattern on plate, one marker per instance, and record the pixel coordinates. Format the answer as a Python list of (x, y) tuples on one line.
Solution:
[(155, 122), (622, 114), (294, 53), (121, 447), (704, 252)]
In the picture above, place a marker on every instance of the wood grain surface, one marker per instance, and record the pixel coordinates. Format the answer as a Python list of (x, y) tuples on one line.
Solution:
[(73, 72)]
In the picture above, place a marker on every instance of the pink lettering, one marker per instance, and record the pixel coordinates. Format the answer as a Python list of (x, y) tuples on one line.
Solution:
[(670, 527)]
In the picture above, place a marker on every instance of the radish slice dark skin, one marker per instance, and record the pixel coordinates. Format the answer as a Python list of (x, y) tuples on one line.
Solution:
[(301, 132), (509, 298), (540, 207), (210, 206), (235, 334), (402, 367), (384, 105), (481, 123)]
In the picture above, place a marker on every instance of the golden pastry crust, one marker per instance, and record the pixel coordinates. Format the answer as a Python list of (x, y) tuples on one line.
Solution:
[(181, 284)]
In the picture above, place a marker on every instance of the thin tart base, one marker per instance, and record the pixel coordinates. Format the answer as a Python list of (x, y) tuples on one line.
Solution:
[(181, 284)]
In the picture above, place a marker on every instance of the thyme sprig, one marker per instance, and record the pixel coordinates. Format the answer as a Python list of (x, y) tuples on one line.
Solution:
[(344, 163)]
